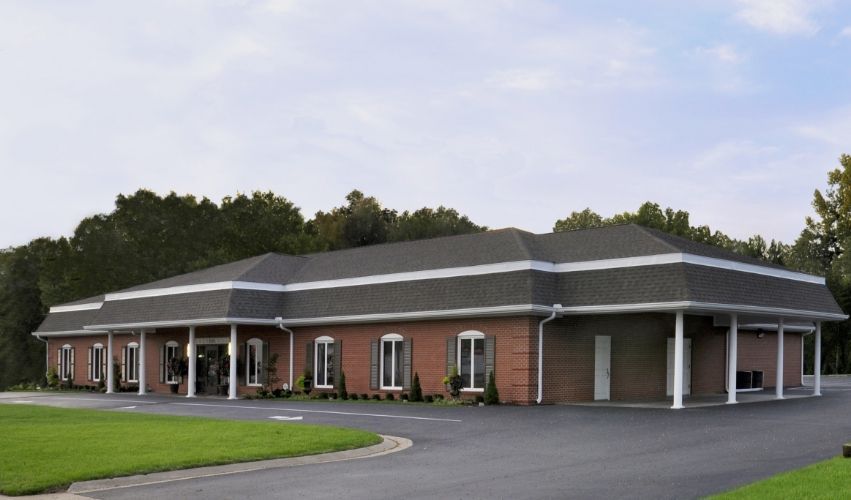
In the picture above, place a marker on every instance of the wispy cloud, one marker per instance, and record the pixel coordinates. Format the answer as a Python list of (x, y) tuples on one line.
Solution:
[(846, 32), (783, 17), (722, 52)]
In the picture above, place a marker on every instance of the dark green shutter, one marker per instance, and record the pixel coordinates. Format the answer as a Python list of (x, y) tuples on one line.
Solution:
[(162, 365), (308, 365), (373, 365), (451, 344), (89, 368), (123, 368), (406, 364), (338, 362), (264, 364), (490, 355), (242, 365)]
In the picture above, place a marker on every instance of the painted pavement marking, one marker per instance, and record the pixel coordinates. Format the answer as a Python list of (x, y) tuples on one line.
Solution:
[(330, 412), (279, 417)]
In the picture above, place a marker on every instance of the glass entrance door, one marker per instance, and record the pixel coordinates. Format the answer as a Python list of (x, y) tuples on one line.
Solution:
[(209, 368)]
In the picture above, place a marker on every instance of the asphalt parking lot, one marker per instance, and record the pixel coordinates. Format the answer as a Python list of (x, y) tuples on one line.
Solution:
[(516, 452)]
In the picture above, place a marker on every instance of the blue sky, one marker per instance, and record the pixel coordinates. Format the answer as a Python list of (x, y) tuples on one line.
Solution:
[(515, 113)]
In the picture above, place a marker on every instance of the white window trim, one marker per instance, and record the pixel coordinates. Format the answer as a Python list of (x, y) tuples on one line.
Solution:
[(468, 335), (97, 366), (321, 340), (258, 344), (64, 366), (176, 346), (394, 338), (135, 364)]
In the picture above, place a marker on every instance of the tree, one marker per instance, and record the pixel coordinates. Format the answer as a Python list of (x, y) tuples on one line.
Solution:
[(491, 393), (416, 389), (431, 223), (585, 219), (362, 222)]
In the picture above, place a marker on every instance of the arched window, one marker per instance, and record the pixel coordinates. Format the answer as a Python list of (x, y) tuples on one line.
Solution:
[(97, 363), (66, 362), (253, 361), (131, 362), (324, 363), (471, 359), (391, 361)]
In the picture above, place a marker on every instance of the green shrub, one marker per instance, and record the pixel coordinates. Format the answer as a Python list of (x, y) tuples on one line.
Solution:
[(491, 394), (376, 397), (480, 399), (428, 398), (404, 396), (299, 382), (454, 382), (438, 397), (354, 396), (323, 395), (390, 397), (416, 389), (333, 395), (364, 396), (344, 394), (52, 378)]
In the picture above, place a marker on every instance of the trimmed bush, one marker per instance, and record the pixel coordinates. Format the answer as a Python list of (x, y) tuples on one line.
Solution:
[(364, 396), (354, 396), (480, 399), (390, 397), (376, 397), (333, 395), (323, 395), (438, 397), (404, 396), (429, 399), (491, 394), (416, 389)]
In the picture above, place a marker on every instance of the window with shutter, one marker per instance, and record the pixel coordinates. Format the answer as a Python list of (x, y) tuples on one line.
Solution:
[(325, 365), (471, 360), (254, 362), (392, 363)]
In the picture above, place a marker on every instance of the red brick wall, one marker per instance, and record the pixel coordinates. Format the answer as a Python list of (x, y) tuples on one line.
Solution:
[(512, 352), (761, 354)]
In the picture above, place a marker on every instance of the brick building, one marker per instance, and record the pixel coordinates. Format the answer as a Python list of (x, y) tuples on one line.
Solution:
[(622, 312)]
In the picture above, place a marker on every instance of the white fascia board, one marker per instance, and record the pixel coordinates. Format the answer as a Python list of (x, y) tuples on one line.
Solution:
[(705, 307), (77, 307), (519, 309), (69, 333), (454, 272)]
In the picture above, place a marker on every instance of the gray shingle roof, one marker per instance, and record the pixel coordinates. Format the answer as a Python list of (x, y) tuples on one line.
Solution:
[(630, 285)]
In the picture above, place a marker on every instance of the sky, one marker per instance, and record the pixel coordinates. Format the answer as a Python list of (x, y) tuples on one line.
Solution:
[(513, 113)]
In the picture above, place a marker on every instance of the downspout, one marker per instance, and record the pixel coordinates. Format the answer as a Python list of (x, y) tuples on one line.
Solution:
[(46, 355), (280, 321), (552, 316)]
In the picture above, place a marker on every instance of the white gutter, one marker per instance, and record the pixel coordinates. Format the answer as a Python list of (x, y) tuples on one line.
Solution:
[(280, 321), (552, 316)]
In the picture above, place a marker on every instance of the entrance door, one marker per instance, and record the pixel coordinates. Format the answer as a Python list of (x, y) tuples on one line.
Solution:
[(686, 366), (208, 367), (602, 366)]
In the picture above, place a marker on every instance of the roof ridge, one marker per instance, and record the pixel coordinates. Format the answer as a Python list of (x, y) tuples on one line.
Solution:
[(648, 232), (519, 236)]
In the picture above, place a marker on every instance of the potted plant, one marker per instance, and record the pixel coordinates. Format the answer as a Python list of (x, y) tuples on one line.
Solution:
[(453, 382), (177, 369)]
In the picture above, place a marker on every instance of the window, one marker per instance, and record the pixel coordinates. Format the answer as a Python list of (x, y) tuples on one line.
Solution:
[(65, 362), (391, 361), (131, 363), (471, 360), (98, 360), (324, 362), (253, 363), (171, 352)]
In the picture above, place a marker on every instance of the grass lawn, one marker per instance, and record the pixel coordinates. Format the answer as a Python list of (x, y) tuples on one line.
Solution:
[(47, 449), (828, 479)]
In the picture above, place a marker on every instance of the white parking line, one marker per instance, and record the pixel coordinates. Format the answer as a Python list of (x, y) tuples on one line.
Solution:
[(380, 415), (101, 400)]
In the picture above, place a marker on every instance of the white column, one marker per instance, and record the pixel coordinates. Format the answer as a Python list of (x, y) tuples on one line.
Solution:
[(779, 382), (142, 381), (109, 370), (817, 362), (732, 360), (678, 362), (291, 360), (193, 358), (233, 354)]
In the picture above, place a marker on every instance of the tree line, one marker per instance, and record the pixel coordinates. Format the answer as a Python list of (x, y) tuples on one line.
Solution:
[(149, 237)]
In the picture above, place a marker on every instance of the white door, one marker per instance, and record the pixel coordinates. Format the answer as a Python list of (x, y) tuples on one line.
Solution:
[(686, 366), (602, 366)]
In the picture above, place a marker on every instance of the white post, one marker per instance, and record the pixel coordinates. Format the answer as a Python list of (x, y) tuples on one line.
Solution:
[(109, 370), (817, 362), (779, 383), (142, 381), (678, 362), (193, 358), (732, 359), (291, 360), (233, 354)]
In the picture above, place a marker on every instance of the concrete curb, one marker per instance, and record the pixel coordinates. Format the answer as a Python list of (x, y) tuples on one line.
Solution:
[(389, 444)]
